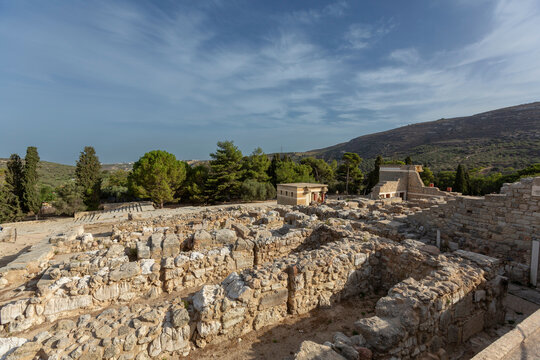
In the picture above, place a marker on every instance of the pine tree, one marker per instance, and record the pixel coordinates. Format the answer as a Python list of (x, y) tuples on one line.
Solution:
[(223, 183), (256, 165), (88, 174), (15, 177), (30, 193), (158, 176)]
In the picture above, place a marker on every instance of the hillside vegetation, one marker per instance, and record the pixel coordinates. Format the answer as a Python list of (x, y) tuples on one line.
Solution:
[(499, 139)]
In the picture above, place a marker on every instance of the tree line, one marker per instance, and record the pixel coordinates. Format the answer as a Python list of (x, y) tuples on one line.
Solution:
[(228, 176)]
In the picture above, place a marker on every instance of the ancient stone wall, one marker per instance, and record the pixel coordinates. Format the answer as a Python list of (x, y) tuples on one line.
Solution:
[(500, 225)]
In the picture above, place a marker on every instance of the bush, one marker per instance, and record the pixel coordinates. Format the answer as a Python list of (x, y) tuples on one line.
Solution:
[(252, 190)]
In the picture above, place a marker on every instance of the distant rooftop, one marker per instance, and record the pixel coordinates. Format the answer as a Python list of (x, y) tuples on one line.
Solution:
[(304, 184)]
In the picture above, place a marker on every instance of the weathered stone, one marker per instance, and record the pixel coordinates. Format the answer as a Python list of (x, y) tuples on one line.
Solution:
[(225, 236), (59, 304), (171, 246), (206, 296), (126, 271), (103, 332), (11, 311), (201, 240), (381, 334), (180, 317), (313, 351), (143, 250)]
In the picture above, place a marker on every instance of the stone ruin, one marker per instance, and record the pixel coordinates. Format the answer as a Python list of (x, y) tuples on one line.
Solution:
[(173, 285)]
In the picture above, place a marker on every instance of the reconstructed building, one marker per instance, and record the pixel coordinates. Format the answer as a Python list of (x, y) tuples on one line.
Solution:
[(301, 193), (403, 181)]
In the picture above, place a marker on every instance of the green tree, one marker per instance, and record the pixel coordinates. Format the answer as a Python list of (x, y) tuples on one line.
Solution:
[(15, 176), (253, 190), (462, 182), (46, 193), (373, 177), (114, 185), (195, 185), (88, 175), (69, 199), (445, 179), (30, 184), (427, 176), (290, 172), (351, 161), (256, 165), (158, 176), (10, 209), (408, 160), (273, 167), (321, 170), (223, 183)]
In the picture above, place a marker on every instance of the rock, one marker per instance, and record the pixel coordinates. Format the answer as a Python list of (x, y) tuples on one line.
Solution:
[(381, 333), (65, 325), (156, 241), (126, 271), (313, 351), (364, 353), (103, 332), (358, 340), (115, 251), (143, 250), (8, 345), (206, 296), (206, 329), (225, 236), (171, 246), (26, 351), (59, 304), (155, 347), (201, 240), (180, 317), (146, 266), (111, 292), (11, 311), (242, 230)]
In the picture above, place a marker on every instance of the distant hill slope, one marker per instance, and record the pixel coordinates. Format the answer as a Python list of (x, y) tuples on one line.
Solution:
[(508, 137)]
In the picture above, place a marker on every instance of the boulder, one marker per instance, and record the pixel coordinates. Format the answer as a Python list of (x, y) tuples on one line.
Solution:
[(201, 240), (310, 350), (381, 334)]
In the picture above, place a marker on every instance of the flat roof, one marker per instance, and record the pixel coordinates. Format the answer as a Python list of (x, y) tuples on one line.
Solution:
[(304, 185)]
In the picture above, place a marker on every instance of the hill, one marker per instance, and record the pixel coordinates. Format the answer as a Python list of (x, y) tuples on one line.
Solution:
[(503, 138)]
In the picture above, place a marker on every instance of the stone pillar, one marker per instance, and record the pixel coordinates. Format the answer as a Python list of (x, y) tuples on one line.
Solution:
[(534, 262)]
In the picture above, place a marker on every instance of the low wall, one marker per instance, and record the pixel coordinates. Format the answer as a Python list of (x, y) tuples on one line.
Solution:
[(499, 225)]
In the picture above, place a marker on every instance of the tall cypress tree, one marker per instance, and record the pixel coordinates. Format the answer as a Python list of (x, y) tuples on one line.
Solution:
[(88, 173), (373, 177), (273, 167), (31, 198), (462, 182), (15, 177)]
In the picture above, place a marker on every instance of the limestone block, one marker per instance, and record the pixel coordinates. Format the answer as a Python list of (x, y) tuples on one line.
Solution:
[(273, 298), (310, 350), (143, 250), (58, 304), (11, 311), (125, 271), (206, 296), (225, 236), (112, 291), (156, 241), (171, 245), (201, 240), (381, 334)]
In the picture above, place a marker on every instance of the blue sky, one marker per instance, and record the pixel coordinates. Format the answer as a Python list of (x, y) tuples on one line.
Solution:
[(131, 76)]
